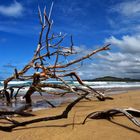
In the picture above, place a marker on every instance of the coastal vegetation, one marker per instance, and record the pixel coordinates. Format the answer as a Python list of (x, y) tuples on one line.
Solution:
[(115, 79)]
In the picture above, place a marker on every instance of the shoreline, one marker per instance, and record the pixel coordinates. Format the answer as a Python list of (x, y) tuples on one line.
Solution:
[(39, 102), (72, 129)]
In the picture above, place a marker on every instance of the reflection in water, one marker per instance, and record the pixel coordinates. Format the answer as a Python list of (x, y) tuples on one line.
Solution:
[(37, 104)]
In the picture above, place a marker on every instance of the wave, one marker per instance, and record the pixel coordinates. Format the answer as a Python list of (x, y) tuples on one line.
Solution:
[(100, 84), (111, 84), (16, 83)]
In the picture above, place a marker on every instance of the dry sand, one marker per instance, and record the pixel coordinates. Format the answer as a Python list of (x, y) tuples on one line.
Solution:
[(120, 129)]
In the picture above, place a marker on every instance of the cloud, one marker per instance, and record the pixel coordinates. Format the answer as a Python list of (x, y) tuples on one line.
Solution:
[(125, 19), (112, 57), (93, 70), (13, 10), (82, 50), (128, 66), (122, 61), (128, 8), (127, 43), (125, 62)]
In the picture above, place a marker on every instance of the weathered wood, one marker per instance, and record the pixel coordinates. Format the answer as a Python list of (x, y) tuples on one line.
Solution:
[(108, 114), (50, 47), (134, 112)]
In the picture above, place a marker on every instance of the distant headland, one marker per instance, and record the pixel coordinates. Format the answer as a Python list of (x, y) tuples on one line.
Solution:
[(115, 79)]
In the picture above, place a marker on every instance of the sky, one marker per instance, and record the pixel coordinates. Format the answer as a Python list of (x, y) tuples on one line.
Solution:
[(93, 23)]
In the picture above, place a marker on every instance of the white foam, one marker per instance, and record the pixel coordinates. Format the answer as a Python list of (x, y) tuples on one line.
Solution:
[(111, 84), (93, 84)]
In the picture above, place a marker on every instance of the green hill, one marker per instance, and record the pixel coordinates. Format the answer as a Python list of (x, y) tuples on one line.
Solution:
[(111, 78)]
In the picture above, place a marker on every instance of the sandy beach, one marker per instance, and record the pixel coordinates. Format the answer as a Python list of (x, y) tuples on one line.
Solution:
[(72, 129)]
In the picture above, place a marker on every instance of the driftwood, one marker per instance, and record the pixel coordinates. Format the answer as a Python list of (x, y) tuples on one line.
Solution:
[(130, 113), (46, 63), (63, 115)]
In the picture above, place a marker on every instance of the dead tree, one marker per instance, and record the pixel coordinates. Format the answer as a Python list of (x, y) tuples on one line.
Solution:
[(46, 63)]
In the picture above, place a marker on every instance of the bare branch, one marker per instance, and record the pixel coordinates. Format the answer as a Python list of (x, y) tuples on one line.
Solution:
[(82, 58), (50, 10), (111, 112), (40, 15)]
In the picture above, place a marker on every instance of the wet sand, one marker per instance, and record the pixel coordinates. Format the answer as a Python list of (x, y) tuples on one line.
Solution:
[(72, 129)]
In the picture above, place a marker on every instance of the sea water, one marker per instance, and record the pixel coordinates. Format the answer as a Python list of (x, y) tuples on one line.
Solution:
[(102, 84), (109, 87)]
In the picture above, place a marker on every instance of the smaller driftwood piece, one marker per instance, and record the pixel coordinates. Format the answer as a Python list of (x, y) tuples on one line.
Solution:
[(131, 113)]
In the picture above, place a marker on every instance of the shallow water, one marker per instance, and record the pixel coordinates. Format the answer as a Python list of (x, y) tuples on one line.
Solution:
[(40, 103)]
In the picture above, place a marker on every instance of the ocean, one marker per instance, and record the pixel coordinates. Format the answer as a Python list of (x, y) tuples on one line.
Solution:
[(100, 84), (40, 103)]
